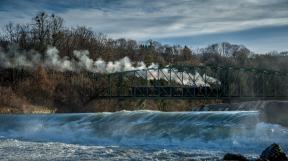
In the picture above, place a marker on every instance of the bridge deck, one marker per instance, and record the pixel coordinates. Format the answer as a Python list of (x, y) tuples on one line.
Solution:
[(193, 98)]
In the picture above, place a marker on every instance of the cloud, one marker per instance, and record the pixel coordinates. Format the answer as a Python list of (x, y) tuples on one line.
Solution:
[(167, 19), (157, 19)]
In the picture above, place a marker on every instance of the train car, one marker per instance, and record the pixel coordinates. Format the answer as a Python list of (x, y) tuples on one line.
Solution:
[(166, 91)]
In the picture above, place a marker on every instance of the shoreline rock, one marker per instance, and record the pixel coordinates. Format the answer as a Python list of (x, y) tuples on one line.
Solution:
[(272, 153)]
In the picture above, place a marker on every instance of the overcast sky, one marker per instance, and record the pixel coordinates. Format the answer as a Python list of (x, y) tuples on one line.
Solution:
[(261, 25)]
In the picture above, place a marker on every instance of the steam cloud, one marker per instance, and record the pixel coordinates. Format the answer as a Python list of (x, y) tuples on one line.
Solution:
[(52, 60), (82, 62)]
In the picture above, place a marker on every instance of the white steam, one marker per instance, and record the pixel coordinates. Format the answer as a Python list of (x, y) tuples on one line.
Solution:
[(82, 62)]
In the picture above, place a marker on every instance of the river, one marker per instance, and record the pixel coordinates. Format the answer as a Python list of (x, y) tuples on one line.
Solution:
[(137, 135)]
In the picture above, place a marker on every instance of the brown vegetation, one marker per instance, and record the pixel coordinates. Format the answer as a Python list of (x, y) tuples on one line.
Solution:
[(10, 102)]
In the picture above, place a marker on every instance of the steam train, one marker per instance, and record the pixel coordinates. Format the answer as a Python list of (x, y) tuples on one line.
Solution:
[(166, 91)]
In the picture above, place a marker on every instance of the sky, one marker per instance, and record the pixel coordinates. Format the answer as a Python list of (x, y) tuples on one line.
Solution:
[(260, 25)]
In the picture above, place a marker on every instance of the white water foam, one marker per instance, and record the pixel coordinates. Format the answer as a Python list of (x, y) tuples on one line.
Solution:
[(239, 131)]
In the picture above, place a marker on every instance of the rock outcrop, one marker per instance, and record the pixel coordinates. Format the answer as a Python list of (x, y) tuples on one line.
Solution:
[(236, 157), (272, 153)]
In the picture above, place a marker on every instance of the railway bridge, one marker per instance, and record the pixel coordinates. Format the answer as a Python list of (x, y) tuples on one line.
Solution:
[(195, 82)]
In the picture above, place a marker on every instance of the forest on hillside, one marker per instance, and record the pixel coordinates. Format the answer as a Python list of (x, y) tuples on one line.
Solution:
[(37, 89)]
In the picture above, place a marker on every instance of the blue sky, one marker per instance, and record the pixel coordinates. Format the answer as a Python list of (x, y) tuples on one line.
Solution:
[(261, 25)]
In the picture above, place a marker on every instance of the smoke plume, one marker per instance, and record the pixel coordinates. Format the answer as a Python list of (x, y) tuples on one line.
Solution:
[(82, 62)]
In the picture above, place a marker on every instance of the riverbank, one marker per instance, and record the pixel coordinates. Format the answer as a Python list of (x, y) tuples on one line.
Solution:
[(105, 105), (155, 105), (27, 110)]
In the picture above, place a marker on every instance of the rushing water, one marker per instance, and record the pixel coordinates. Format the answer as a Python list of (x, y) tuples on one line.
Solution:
[(139, 135)]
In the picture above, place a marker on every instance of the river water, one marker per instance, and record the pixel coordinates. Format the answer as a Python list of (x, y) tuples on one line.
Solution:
[(138, 135)]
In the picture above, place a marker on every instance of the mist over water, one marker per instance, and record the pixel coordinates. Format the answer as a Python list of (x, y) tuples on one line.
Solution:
[(145, 132)]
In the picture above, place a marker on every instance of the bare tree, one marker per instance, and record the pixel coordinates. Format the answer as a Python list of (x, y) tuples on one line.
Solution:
[(47, 30), (41, 29), (56, 27)]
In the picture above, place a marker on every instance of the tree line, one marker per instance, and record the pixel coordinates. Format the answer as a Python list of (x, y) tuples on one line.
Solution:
[(49, 30)]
